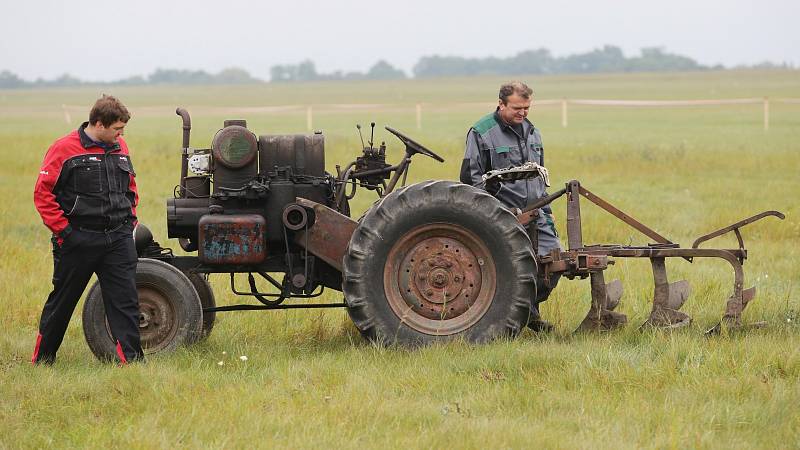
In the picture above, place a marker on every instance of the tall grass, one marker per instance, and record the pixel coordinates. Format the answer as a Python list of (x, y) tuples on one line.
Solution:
[(309, 380)]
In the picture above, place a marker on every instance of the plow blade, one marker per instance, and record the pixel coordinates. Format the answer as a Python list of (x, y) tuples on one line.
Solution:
[(667, 299), (732, 320), (605, 298)]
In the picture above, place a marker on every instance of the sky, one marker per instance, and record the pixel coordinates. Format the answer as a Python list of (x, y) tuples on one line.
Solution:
[(107, 40)]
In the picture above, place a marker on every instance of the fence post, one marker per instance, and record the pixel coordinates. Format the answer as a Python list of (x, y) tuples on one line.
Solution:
[(766, 113), (564, 113), (419, 116), (67, 117)]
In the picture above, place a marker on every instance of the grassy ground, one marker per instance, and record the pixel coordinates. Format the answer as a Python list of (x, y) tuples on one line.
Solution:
[(310, 381)]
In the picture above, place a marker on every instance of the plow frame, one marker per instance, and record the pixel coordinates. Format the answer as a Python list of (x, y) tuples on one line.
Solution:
[(581, 261)]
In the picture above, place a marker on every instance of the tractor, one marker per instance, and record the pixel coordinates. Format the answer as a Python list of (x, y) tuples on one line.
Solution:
[(428, 262)]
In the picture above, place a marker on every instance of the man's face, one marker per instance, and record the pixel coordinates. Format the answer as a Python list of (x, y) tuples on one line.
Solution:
[(110, 134), (515, 110)]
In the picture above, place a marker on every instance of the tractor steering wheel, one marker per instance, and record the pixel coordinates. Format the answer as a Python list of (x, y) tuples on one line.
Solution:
[(412, 146)]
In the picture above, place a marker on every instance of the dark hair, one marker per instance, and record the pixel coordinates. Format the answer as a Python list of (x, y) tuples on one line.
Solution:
[(514, 87), (108, 110)]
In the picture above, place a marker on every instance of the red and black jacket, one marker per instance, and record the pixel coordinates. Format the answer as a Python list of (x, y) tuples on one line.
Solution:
[(83, 183)]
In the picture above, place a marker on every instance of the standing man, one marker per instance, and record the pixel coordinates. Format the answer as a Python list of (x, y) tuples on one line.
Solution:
[(506, 138), (86, 195)]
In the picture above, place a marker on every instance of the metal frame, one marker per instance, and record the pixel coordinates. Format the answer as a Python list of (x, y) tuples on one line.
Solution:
[(582, 260)]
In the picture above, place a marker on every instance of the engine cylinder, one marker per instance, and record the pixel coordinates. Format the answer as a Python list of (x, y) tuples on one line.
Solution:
[(305, 154), (235, 151), (183, 214)]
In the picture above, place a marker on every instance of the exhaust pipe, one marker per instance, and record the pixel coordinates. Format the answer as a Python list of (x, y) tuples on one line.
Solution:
[(187, 128)]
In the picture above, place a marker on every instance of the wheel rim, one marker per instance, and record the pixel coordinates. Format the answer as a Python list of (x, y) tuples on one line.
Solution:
[(157, 319), (439, 279)]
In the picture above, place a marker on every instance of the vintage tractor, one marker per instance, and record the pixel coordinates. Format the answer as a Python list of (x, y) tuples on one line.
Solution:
[(428, 262)]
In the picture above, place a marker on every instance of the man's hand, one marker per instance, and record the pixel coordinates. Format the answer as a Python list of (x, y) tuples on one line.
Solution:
[(63, 235)]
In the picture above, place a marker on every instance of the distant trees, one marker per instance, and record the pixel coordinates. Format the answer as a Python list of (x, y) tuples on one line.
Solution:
[(231, 75), (655, 59), (529, 62), (382, 70), (9, 80), (306, 71), (540, 61)]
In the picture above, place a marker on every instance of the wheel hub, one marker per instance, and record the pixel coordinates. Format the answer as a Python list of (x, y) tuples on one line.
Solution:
[(157, 319), (144, 319), (441, 265), (437, 279)]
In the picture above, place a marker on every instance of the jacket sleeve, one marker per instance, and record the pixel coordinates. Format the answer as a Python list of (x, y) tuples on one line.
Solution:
[(43, 196), (472, 166)]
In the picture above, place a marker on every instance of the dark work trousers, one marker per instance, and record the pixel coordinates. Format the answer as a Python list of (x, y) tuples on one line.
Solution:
[(543, 287), (112, 256)]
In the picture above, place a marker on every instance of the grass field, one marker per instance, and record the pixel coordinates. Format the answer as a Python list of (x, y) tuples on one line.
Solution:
[(309, 379)]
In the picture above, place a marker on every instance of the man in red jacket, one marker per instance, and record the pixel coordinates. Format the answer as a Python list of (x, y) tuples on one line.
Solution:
[(86, 195)]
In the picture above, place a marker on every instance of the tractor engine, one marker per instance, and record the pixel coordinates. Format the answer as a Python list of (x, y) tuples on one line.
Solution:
[(233, 210)]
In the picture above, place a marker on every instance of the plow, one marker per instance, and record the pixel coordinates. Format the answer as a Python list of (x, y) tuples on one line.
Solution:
[(581, 261), (428, 262)]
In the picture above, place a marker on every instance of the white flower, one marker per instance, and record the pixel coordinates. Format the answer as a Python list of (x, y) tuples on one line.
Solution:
[(221, 363), (224, 353), (243, 358)]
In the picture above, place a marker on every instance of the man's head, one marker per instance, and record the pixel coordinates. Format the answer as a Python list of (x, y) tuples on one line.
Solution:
[(108, 118), (514, 103)]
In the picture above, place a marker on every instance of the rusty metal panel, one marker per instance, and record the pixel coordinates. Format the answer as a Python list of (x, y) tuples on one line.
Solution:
[(329, 235), (232, 239)]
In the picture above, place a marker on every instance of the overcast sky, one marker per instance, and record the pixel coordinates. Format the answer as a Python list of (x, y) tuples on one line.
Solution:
[(107, 40)]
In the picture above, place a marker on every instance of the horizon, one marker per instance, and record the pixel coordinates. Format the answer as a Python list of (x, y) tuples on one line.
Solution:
[(764, 65)]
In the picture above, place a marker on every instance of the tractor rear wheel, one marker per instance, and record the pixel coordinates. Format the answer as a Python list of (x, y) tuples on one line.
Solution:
[(437, 261), (170, 312), (207, 300)]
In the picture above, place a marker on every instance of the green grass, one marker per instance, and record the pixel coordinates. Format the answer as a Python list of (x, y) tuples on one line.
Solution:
[(311, 381)]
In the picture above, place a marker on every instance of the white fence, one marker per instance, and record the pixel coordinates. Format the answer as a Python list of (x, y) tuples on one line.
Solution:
[(419, 107), (673, 103), (765, 101)]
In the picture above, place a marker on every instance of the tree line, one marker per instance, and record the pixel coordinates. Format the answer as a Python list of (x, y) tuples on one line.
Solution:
[(10, 80), (538, 61)]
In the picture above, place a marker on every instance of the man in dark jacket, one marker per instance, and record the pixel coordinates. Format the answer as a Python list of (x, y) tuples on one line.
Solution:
[(86, 195), (506, 138)]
